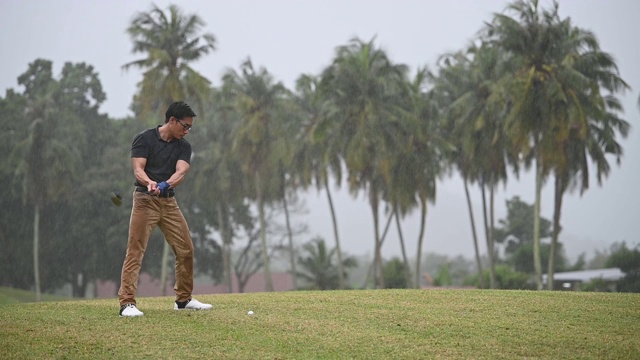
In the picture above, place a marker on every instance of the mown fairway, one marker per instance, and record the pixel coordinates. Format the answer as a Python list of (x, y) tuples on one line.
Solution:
[(366, 324)]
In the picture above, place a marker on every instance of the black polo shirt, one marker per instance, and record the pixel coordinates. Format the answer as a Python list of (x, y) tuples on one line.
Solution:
[(161, 155)]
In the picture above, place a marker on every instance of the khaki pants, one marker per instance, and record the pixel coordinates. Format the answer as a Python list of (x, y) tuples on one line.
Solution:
[(149, 211)]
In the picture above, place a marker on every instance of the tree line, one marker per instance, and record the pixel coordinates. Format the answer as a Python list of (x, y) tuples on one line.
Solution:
[(531, 91)]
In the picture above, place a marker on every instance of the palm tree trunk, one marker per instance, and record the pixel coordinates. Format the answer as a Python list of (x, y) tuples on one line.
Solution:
[(372, 266), (407, 272), (491, 242), (492, 275), (292, 255), (268, 285), (377, 268), (164, 268), (475, 236), (559, 191), (386, 229), (537, 264), (335, 234), (226, 249), (36, 250), (423, 224)]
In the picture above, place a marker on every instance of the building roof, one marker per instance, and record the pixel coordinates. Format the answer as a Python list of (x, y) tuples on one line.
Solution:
[(611, 274)]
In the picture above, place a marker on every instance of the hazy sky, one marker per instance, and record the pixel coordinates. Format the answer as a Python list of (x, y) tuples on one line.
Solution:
[(290, 38)]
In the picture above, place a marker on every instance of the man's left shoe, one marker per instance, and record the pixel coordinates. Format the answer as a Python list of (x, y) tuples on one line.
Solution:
[(192, 304)]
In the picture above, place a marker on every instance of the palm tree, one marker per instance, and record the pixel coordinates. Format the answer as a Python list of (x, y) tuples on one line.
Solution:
[(170, 42), (417, 161), (490, 153), (314, 159), (362, 84), (570, 163), (449, 85), (284, 184), (470, 95), (219, 182), (533, 43), (258, 98), (556, 89), (318, 268)]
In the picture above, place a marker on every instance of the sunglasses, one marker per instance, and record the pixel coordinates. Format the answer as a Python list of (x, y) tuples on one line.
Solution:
[(184, 126)]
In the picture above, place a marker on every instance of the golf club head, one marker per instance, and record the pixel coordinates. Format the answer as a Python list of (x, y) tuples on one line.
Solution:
[(116, 199)]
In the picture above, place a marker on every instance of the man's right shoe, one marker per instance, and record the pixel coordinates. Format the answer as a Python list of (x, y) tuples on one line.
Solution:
[(192, 304), (130, 310)]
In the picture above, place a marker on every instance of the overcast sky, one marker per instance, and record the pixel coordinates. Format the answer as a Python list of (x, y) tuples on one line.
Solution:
[(290, 38)]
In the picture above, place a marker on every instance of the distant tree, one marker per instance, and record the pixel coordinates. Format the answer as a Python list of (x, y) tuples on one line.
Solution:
[(285, 187), (458, 267), (450, 84), (394, 272), (313, 161), (597, 136), (16, 220), (628, 261), (46, 160), (249, 259), (363, 85), (506, 278), (79, 99), (258, 98), (580, 263), (473, 102), (171, 42), (601, 256), (317, 267), (443, 278), (417, 161), (218, 184), (563, 106), (516, 236), (517, 228), (522, 258), (81, 217)]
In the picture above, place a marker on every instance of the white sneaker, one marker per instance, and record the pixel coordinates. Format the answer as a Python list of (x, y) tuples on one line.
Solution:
[(192, 304), (130, 310)]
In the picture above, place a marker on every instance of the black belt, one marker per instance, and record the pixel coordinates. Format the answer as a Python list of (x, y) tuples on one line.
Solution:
[(169, 194)]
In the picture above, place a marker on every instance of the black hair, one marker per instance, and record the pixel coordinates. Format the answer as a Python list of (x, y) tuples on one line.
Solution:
[(179, 110)]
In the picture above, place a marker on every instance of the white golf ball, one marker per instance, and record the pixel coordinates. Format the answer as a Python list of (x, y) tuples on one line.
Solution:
[(250, 312)]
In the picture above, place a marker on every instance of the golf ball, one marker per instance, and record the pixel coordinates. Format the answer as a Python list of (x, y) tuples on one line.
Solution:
[(250, 312)]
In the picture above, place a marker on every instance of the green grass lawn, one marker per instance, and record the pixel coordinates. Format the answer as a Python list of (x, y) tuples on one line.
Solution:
[(358, 324), (16, 296)]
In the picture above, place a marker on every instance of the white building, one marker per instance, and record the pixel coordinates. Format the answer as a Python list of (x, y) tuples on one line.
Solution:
[(571, 280)]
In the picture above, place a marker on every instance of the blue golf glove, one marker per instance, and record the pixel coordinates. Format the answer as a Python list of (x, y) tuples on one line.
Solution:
[(163, 187)]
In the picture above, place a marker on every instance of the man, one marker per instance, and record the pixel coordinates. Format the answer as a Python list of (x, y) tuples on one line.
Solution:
[(160, 158)]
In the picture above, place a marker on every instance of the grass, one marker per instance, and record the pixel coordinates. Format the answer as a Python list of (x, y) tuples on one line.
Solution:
[(358, 324), (15, 296)]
